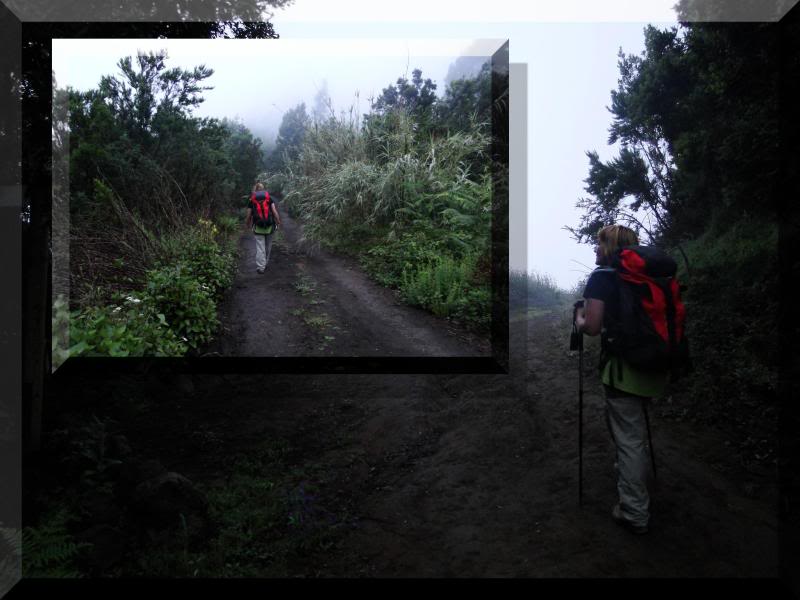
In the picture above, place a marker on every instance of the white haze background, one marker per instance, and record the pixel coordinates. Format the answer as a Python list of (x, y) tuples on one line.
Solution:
[(571, 69)]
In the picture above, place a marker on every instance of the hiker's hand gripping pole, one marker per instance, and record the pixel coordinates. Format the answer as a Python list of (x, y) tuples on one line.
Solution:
[(576, 343)]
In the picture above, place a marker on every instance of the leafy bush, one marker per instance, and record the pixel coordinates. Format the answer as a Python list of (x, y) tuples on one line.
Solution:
[(131, 329), (446, 286), (409, 194), (175, 311), (199, 253), (228, 225), (184, 301), (732, 308), (474, 306), (387, 261), (203, 260), (49, 550)]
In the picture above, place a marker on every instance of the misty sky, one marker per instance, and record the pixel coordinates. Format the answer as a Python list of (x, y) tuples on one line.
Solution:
[(571, 68), (258, 80)]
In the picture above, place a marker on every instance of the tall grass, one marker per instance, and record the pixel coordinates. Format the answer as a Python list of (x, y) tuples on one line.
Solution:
[(395, 178), (534, 290), (413, 203)]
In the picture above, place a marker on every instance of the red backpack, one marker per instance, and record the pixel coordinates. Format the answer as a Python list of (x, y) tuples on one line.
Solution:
[(261, 204), (648, 333)]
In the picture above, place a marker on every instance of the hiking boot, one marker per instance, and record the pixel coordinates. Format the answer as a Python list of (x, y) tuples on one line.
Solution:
[(618, 517)]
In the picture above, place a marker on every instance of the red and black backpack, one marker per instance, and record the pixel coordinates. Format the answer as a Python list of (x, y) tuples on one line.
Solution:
[(648, 331), (261, 204)]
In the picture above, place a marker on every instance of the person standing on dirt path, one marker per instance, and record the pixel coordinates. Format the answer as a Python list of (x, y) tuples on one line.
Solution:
[(263, 218), (626, 396)]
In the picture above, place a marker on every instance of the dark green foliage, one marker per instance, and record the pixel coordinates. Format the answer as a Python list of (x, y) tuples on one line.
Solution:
[(146, 178), (732, 308), (149, 91), (245, 154), (174, 309), (49, 550), (448, 287), (131, 328), (696, 117), (416, 96), (201, 256), (388, 260), (267, 515), (142, 167), (184, 301), (467, 101), (409, 192), (429, 276)]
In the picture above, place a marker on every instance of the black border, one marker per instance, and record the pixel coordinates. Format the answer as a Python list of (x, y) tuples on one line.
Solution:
[(11, 331), (653, 588), (105, 367), (787, 191)]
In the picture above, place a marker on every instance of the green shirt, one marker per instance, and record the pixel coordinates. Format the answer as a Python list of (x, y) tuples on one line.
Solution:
[(263, 230), (650, 385)]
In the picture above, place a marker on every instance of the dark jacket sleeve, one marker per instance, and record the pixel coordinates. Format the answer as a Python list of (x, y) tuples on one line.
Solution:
[(600, 285)]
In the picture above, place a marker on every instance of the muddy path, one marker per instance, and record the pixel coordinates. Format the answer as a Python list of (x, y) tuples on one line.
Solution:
[(316, 304), (472, 475), (443, 475)]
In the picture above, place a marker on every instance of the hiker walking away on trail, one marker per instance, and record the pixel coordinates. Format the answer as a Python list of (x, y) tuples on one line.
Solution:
[(263, 217), (630, 382)]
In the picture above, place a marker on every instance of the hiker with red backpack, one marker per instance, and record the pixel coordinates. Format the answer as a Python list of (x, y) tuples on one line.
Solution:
[(263, 218), (633, 300)]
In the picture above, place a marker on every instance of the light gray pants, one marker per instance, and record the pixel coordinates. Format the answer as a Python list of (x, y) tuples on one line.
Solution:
[(263, 249), (626, 422)]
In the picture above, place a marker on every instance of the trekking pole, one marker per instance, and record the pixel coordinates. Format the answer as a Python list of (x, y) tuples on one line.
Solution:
[(580, 421), (576, 343), (650, 441)]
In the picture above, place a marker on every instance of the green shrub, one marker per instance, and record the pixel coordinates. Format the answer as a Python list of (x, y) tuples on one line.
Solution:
[(228, 225), (175, 311), (184, 301), (209, 266), (133, 328), (446, 286), (387, 261), (202, 257), (474, 306), (732, 304), (49, 550)]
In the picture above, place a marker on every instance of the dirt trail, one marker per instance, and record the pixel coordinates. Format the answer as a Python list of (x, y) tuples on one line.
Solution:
[(455, 475), (474, 475), (323, 305)]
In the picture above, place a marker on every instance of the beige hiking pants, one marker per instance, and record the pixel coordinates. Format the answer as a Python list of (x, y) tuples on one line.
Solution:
[(626, 422), (263, 249)]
